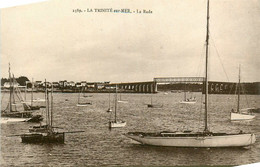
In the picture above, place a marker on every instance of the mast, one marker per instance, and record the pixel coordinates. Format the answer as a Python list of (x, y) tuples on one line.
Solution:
[(206, 77), (32, 94), (115, 102), (48, 109), (11, 91), (109, 98), (79, 96), (25, 91), (151, 99), (238, 94), (46, 102), (185, 98), (51, 104)]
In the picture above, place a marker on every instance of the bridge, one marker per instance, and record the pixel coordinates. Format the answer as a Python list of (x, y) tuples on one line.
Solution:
[(172, 80), (152, 86), (194, 84), (136, 87)]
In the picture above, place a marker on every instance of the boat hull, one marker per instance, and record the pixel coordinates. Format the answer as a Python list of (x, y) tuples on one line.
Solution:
[(12, 120), (154, 106), (239, 117), (234, 140), (41, 138), (118, 124), (83, 104), (187, 102)]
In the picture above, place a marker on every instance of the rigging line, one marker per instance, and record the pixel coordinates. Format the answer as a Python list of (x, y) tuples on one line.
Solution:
[(245, 93), (2, 97), (19, 97), (200, 61), (219, 57)]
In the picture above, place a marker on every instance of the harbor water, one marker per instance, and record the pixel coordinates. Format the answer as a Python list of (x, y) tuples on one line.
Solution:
[(99, 146)]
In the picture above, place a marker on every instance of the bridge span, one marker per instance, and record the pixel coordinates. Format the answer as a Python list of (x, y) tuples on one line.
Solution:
[(137, 87), (193, 84), (170, 80)]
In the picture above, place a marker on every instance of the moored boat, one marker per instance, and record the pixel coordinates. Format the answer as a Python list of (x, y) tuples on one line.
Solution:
[(12, 113), (116, 123), (240, 114), (82, 104), (55, 137), (182, 139), (206, 138), (44, 133)]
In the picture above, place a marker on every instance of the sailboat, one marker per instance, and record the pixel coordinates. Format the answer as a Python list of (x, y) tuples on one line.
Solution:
[(31, 107), (191, 100), (239, 115), (152, 105), (116, 123), (82, 104), (11, 114), (121, 100), (205, 138), (84, 93), (109, 108), (44, 133)]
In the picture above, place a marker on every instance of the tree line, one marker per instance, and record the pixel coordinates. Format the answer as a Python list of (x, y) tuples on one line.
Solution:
[(20, 80)]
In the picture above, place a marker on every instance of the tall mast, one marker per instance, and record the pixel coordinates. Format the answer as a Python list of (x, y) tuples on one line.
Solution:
[(115, 102), (206, 77), (238, 94), (11, 91), (51, 104)]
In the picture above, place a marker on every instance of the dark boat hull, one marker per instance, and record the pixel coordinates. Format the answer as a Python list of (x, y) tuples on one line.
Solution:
[(36, 118), (41, 138), (154, 105)]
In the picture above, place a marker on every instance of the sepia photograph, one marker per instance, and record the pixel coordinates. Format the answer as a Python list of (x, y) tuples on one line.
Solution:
[(130, 83)]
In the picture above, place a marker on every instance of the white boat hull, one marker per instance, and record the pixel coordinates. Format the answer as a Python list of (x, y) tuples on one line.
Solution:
[(12, 120), (236, 140), (187, 102), (118, 124), (121, 101), (239, 117)]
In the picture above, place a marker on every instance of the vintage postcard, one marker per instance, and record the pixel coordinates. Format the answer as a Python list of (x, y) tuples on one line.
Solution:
[(130, 83)]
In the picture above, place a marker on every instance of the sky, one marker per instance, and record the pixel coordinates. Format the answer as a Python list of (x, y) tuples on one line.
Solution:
[(49, 40)]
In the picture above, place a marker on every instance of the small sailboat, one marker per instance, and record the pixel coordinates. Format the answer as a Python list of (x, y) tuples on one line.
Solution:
[(82, 104), (109, 107), (205, 138), (240, 114), (116, 123), (11, 113), (191, 100), (120, 99), (84, 93), (152, 105)]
